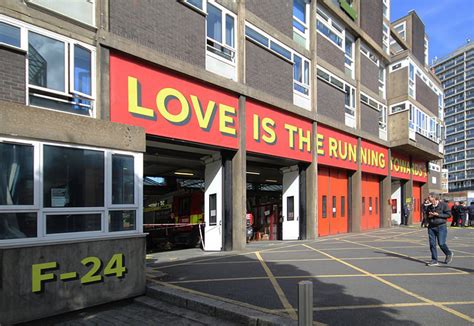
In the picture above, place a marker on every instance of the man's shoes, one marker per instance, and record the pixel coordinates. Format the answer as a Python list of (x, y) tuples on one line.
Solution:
[(449, 258), (432, 263)]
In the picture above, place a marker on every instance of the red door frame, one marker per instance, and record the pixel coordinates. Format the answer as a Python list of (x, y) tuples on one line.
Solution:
[(332, 198)]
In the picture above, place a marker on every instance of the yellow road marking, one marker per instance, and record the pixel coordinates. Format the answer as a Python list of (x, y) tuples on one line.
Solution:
[(385, 305), (281, 295), (250, 278), (399, 288), (399, 254)]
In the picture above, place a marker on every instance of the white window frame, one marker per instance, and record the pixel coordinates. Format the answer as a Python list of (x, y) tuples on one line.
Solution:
[(426, 47), (386, 4), (68, 66), (202, 10), (304, 83), (372, 57), (386, 37), (403, 31), (332, 25), (306, 25), (93, 3), (382, 82), (42, 212), (349, 66), (411, 81), (350, 119), (233, 50)]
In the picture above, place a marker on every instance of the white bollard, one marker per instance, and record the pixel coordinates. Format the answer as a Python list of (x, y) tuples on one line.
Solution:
[(305, 303)]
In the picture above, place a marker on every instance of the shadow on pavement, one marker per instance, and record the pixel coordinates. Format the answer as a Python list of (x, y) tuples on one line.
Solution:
[(217, 278)]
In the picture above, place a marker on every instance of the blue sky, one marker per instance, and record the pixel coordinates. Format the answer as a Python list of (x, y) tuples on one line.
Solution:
[(448, 23)]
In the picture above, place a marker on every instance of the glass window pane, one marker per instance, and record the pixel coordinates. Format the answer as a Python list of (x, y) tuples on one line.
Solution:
[(18, 225), (297, 75), (229, 30), (306, 72), (299, 10), (16, 174), (46, 62), (10, 34), (280, 50), (324, 207), (123, 179), (82, 70), (343, 206), (73, 223), (73, 177), (196, 3), (256, 36), (122, 221), (214, 23), (81, 10)]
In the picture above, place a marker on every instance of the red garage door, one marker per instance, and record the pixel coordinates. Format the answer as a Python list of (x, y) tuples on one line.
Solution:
[(416, 209), (370, 217), (332, 192)]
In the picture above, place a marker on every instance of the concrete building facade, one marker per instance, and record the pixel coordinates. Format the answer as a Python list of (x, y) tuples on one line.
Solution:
[(191, 120), (456, 71)]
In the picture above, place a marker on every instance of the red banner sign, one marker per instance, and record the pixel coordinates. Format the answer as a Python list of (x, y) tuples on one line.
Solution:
[(373, 158), (336, 149), (168, 105), (400, 166), (274, 132), (420, 173)]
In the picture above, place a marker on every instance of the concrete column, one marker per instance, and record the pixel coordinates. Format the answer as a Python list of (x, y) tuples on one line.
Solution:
[(239, 185), (357, 68), (385, 207), (356, 194), (103, 99), (312, 193), (409, 198)]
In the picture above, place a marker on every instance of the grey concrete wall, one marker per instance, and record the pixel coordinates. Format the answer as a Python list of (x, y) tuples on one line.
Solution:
[(369, 74), (20, 304), (418, 39), (269, 73), (426, 96), (369, 119), (398, 83), (330, 53), (277, 13), (23, 121), (12, 76), (330, 101), (435, 187), (427, 143), (168, 27), (371, 19), (398, 126)]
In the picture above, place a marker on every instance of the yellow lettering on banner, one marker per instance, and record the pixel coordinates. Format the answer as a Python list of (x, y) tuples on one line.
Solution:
[(343, 150), (382, 160), (203, 119), (304, 140), (332, 147), (291, 134), (353, 152), (226, 119), (319, 144), (133, 106), (268, 125), (162, 100), (374, 158), (256, 128), (363, 155)]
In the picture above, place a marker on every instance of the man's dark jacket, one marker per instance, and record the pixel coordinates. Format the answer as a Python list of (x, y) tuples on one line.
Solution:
[(443, 211)]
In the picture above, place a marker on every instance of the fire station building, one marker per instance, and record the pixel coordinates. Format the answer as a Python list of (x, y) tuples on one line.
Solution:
[(123, 118)]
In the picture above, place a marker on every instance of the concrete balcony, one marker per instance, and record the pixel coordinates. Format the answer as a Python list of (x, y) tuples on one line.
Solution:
[(403, 137)]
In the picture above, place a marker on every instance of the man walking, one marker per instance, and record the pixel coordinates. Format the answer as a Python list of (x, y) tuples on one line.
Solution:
[(470, 214), (455, 214), (437, 230), (426, 208)]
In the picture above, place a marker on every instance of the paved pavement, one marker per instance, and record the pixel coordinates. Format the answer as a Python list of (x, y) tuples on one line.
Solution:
[(374, 278)]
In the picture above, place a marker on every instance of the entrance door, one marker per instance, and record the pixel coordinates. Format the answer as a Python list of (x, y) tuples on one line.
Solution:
[(416, 209), (332, 192), (213, 206), (323, 194), (291, 203), (396, 202), (370, 218)]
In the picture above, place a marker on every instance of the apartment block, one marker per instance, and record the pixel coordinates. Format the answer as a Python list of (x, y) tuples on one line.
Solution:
[(456, 72), (134, 125)]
